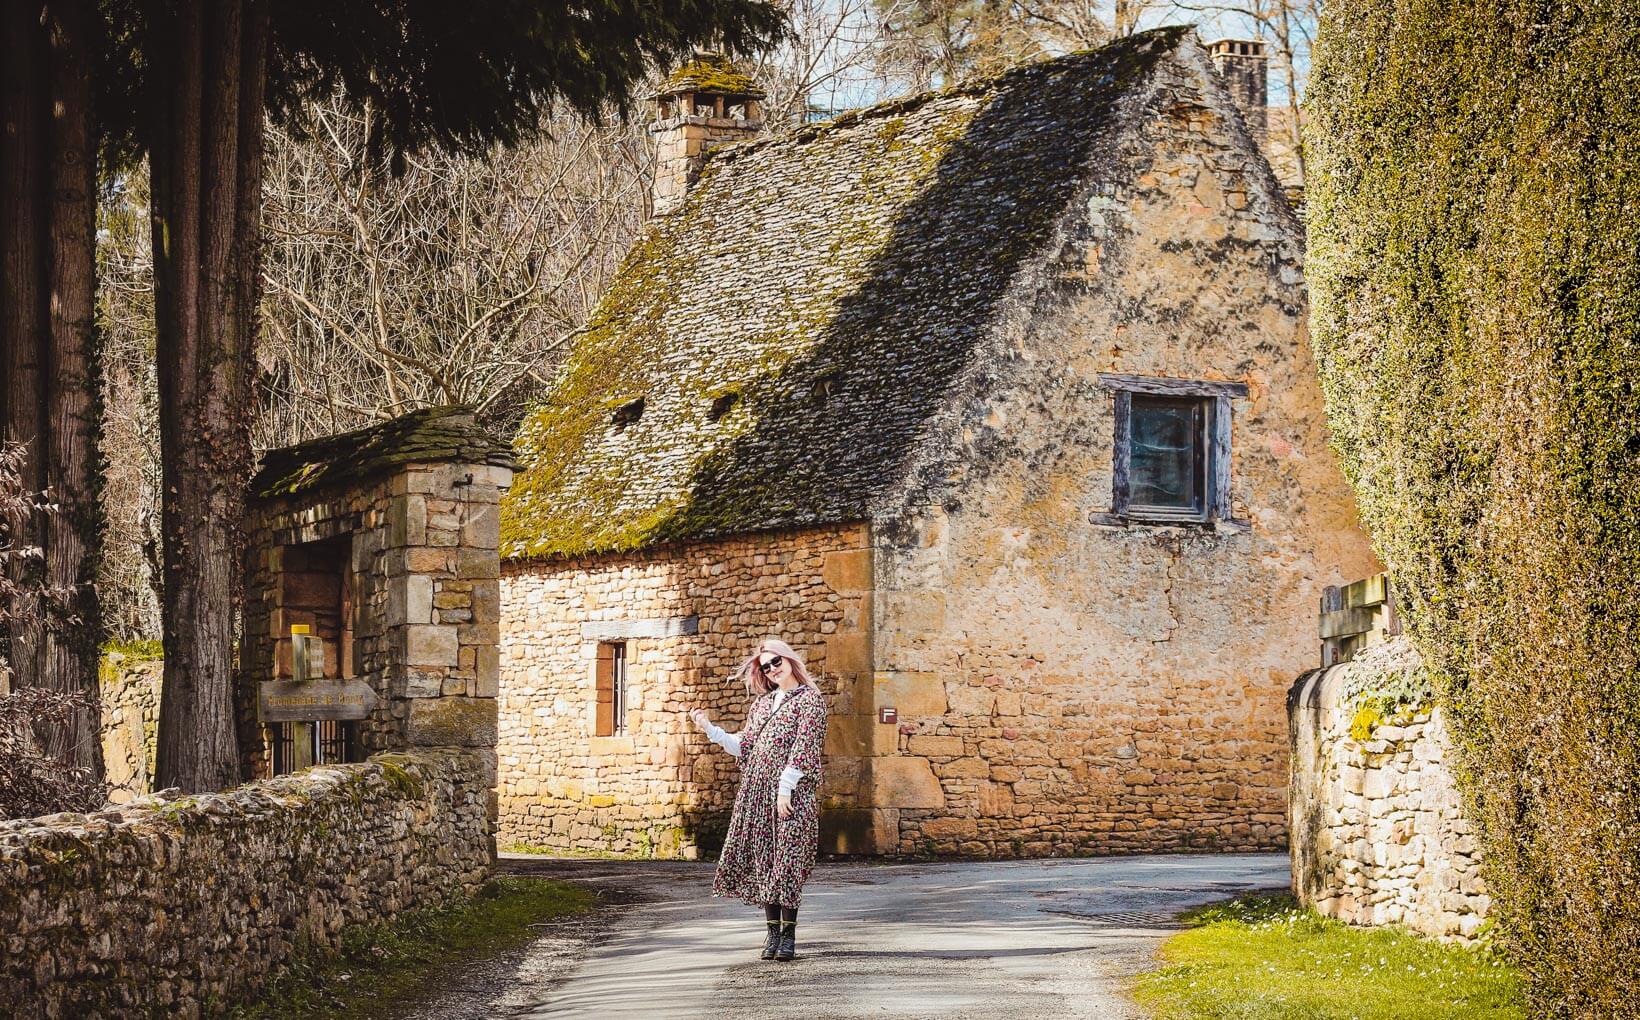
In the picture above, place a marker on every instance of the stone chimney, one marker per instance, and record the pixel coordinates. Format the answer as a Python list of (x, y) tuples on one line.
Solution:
[(705, 103), (1246, 71)]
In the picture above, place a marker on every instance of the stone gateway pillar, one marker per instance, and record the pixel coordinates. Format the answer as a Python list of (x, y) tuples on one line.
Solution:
[(380, 546)]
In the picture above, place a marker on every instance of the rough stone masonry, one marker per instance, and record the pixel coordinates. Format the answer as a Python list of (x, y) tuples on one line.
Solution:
[(904, 337), (1379, 834), (180, 907)]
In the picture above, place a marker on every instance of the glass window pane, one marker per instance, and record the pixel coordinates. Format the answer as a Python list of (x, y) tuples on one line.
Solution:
[(1165, 468)]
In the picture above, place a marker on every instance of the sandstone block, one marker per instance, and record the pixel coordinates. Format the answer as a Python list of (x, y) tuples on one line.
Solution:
[(935, 747), (452, 721), (965, 768), (477, 564), (905, 782), (848, 652), (847, 570), (409, 599), (950, 828), (914, 695), (970, 701), (431, 645), (407, 520), (427, 560), (482, 528), (849, 735)]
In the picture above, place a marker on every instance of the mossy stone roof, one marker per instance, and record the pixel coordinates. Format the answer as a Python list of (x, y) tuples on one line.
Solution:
[(429, 436), (710, 73), (796, 326)]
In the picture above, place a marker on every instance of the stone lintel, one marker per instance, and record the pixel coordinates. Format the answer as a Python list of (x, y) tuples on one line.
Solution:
[(664, 627)]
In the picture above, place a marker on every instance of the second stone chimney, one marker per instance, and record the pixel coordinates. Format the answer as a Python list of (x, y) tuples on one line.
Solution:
[(1246, 70), (705, 103)]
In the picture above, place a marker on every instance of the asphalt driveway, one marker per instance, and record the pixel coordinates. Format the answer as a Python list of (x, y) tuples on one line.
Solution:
[(1016, 939)]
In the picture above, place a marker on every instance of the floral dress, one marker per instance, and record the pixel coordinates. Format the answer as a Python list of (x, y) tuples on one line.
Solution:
[(766, 858)]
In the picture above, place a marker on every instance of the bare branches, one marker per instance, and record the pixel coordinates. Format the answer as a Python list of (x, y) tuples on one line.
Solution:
[(33, 782), (444, 285)]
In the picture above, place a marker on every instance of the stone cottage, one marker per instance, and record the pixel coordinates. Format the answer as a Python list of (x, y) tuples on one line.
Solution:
[(997, 404)]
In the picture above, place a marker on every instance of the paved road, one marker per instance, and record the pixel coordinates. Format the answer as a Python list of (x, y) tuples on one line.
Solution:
[(951, 940)]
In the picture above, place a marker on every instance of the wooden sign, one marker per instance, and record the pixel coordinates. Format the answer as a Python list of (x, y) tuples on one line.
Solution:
[(310, 700)]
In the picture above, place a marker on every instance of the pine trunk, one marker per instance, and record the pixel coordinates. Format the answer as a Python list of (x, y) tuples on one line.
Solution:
[(207, 184), (73, 537), (47, 287), (22, 324)]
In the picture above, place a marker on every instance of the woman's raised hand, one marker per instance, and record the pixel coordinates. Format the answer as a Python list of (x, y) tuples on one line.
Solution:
[(701, 719)]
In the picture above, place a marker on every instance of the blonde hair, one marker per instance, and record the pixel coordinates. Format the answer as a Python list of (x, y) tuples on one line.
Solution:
[(753, 678)]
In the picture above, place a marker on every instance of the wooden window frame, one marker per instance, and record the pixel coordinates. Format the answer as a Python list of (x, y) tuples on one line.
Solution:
[(1215, 398), (609, 683)]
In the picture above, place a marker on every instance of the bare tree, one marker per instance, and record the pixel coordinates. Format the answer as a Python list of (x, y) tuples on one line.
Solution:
[(44, 763), (129, 576), (830, 61), (450, 283)]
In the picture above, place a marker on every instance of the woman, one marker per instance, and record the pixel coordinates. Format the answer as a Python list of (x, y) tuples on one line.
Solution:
[(775, 829)]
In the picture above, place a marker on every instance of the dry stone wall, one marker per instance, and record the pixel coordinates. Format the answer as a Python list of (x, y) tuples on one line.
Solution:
[(1379, 835), (688, 616), (181, 907), (130, 686)]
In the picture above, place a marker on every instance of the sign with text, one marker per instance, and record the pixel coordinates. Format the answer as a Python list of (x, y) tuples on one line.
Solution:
[(310, 700)]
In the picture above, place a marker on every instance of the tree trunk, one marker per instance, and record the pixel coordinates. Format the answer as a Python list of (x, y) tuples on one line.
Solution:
[(73, 537), (207, 185), (22, 325), (47, 233)]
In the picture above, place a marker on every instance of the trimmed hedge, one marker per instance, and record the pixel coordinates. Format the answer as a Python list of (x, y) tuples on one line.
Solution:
[(1475, 266)]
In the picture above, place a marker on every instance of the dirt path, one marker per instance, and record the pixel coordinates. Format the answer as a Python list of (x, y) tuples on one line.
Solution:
[(1017, 939)]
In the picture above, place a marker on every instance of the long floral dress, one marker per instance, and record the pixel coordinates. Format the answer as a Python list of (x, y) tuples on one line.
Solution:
[(766, 858)]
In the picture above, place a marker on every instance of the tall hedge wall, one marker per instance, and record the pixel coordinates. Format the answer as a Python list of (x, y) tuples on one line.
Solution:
[(1475, 265)]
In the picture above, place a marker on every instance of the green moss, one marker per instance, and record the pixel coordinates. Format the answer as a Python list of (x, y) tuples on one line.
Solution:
[(1475, 269), (395, 770), (426, 436), (712, 73), (381, 971), (900, 276), (135, 651)]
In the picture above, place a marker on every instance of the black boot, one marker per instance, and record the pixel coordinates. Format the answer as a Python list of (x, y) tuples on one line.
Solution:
[(788, 941), (771, 945)]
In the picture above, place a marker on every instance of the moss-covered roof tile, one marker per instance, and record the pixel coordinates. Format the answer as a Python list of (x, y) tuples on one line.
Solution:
[(429, 436), (713, 73), (797, 324)]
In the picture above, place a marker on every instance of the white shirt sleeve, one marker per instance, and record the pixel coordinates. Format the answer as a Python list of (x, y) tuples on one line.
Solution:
[(728, 741), (789, 778)]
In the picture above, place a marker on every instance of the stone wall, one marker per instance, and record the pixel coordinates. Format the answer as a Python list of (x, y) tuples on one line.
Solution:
[(1071, 681), (182, 907), (130, 686), (412, 560), (688, 615), (1379, 835)]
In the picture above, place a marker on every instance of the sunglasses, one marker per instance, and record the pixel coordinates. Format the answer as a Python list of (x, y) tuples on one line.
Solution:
[(769, 665)]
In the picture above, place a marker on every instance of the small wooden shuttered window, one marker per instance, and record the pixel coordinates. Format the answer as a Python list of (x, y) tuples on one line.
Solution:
[(611, 686)]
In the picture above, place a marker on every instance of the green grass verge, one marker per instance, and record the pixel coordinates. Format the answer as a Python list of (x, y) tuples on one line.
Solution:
[(1263, 958), (381, 967)]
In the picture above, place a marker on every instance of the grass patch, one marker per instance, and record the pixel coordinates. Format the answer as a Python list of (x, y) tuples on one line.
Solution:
[(381, 967), (1264, 958)]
